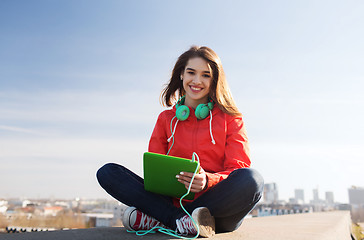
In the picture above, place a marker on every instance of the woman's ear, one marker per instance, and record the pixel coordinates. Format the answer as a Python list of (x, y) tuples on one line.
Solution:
[(182, 73)]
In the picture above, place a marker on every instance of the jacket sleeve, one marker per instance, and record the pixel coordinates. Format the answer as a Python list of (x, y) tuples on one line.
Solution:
[(158, 141), (237, 154)]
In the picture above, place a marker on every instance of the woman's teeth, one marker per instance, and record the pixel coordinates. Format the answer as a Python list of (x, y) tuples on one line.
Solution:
[(196, 88)]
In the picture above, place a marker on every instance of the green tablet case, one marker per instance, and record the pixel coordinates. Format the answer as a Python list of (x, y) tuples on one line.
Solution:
[(160, 174)]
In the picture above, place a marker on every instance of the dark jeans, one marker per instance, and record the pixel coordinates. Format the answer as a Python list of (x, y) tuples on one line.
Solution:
[(229, 201)]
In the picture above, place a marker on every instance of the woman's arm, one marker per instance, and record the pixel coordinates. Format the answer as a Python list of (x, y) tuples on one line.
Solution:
[(158, 141), (236, 154)]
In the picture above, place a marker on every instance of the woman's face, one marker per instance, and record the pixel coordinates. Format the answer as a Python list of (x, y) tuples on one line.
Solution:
[(197, 77)]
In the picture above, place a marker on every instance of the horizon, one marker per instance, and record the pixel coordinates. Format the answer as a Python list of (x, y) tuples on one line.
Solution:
[(109, 198), (80, 85)]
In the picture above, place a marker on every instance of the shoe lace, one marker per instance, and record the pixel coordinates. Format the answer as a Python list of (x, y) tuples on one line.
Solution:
[(185, 225), (147, 222)]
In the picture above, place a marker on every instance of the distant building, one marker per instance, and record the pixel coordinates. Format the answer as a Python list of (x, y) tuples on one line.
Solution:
[(317, 203), (356, 195), (3, 209), (316, 198), (26, 203), (270, 193), (299, 195), (356, 200), (3, 206), (52, 210), (344, 207), (329, 197), (292, 201), (99, 219)]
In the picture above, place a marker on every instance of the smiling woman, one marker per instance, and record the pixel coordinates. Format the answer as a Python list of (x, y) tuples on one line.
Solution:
[(225, 187)]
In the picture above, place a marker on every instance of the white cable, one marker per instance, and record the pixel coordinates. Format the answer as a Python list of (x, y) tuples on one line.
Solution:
[(212, 137), (174, 130), (194, 156)]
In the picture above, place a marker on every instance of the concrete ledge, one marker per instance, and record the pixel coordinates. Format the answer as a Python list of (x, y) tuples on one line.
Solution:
[(313, 226)]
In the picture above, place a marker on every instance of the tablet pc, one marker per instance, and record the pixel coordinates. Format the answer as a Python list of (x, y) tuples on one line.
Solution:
[(160, 174)]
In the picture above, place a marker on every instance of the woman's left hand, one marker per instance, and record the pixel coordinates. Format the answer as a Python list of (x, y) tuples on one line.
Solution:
[(199, 182)]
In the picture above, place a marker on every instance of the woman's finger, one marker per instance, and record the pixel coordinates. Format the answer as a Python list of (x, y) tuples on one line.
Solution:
[(198, 183)]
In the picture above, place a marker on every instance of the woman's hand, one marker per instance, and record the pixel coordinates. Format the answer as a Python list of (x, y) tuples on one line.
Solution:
[(199, 182)]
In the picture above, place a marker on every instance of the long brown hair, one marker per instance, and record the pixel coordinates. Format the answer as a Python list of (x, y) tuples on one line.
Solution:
[(219, 89)]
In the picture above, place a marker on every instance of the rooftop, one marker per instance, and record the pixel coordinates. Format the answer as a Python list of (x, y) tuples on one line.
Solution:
[(312, 226)]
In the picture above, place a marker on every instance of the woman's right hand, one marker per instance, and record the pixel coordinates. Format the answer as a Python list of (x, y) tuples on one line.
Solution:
[(199, 182)]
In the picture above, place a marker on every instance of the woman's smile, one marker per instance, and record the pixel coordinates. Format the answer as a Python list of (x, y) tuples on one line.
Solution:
[(195, 89)]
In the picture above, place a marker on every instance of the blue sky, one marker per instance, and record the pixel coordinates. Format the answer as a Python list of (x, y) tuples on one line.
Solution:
[(80, 84)]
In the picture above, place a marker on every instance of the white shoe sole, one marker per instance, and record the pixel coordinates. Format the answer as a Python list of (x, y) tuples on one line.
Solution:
[(126, 218), (205, 221)]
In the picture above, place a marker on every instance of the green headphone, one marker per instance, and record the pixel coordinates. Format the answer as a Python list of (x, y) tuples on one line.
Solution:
[(201, 112)]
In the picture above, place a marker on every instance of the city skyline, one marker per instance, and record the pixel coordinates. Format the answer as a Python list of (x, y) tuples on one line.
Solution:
[(271, 194), (80, 85)]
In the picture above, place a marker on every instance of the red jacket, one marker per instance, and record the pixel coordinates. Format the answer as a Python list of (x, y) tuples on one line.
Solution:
[(230, 152)]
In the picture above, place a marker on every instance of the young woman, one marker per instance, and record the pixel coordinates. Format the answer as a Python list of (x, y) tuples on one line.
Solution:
[(206, 121)]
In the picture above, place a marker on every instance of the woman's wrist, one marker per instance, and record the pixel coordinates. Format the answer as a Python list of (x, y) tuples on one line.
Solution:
[(207, 182)]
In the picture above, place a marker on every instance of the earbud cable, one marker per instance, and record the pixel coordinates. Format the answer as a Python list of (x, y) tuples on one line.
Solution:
[(194, 157), (170, 232)]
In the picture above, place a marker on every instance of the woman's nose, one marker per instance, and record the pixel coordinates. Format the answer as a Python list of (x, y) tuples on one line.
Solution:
[(196, 79)]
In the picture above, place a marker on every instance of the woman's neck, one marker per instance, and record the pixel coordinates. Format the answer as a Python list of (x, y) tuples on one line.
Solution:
[(194, 103)]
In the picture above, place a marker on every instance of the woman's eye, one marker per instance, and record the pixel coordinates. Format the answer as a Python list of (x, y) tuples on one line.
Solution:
[(206, 76), (191, 73)]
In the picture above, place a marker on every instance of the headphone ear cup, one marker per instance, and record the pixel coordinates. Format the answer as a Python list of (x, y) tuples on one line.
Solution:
[(202, 111), (182, 112)]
